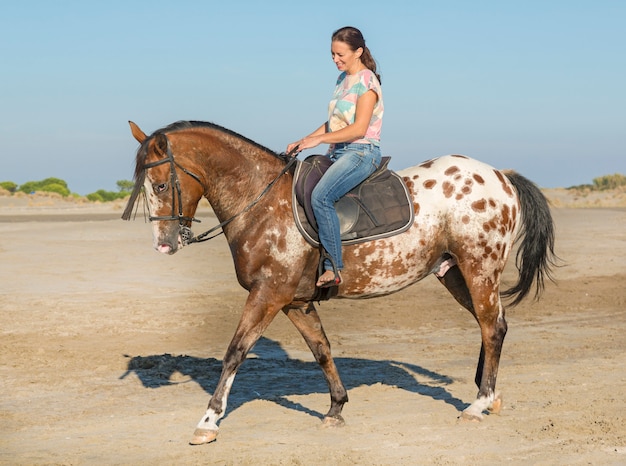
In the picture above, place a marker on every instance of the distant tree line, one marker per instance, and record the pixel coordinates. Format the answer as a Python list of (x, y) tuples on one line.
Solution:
[(50, 185), (603, 183), (124, 187), (59, 186)]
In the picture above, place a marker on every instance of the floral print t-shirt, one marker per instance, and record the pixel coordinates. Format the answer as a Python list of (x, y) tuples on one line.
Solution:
[(342, 107)]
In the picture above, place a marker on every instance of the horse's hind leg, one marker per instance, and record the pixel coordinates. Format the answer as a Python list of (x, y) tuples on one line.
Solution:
[(307, 321), (489, 313), (486, 307), (455, 283)]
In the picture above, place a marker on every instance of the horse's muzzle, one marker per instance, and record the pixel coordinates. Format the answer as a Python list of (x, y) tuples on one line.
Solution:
[(165, 248)]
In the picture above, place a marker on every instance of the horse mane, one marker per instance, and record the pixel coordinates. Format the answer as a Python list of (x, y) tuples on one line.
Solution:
[(142, 153), (183, 124)]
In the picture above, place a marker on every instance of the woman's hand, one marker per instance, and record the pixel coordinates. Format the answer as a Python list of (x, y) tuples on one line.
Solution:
[(312, 140), (307, 142), (292, 146)]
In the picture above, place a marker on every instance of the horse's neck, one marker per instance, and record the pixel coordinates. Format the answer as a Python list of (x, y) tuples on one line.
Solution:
[(237, 179)]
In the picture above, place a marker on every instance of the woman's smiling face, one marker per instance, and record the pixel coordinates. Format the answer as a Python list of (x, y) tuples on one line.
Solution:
[(345, 58)]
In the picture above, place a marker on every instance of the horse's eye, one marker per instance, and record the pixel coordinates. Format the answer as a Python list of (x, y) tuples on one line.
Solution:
[(159, 188)]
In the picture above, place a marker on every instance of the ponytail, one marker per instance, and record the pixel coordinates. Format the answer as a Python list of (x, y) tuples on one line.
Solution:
[(369, 62)]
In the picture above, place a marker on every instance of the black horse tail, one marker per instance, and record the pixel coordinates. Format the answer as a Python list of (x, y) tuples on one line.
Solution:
[(535, 255)]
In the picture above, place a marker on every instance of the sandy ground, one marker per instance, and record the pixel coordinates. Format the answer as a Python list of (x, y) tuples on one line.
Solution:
[(109, 352)]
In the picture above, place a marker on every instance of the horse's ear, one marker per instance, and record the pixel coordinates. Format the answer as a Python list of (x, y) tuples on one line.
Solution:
[(137, 133)]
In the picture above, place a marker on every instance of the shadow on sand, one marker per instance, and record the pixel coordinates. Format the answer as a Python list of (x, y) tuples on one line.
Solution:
[(271, 375)]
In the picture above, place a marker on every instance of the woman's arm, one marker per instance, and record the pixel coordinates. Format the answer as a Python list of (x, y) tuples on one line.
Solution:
[(363, 115), (364, 111)]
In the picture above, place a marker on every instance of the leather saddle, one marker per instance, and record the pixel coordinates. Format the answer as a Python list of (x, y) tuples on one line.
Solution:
[(377, 208)]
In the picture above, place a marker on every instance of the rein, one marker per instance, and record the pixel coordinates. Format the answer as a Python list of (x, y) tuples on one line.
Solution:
[(186, 234), (204, 236)]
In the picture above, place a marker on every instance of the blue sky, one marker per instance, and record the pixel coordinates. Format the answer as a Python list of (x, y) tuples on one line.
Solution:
[(536, 86)]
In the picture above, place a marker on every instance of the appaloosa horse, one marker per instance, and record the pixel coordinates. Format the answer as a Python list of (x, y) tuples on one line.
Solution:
[(467, 217)]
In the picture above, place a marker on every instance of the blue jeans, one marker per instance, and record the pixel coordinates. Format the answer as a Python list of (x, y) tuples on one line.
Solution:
[(353, 163)]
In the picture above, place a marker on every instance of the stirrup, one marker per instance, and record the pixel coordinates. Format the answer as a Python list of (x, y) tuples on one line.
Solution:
[(324, 294), (320, 270)]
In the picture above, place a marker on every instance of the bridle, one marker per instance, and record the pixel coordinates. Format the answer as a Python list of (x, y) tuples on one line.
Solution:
[(186, 234)]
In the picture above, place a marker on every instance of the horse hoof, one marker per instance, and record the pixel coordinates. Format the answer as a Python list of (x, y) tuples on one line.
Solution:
[(333, 421), (496, 406), (202, 436), (465, 416)]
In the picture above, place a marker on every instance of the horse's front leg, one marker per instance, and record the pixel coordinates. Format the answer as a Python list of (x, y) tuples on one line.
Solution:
[(258, 313), (307, 321)]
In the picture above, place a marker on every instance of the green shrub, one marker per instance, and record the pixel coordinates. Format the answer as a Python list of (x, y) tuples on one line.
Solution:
[(609, 181), (50, 185), (9, 186), (55, 188), (29, 187), (106, 196), (125, 186), (51, 181), (95, 197), (602, 183)]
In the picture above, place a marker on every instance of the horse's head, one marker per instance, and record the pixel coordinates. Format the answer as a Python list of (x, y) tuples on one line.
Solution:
[(171, 190)]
